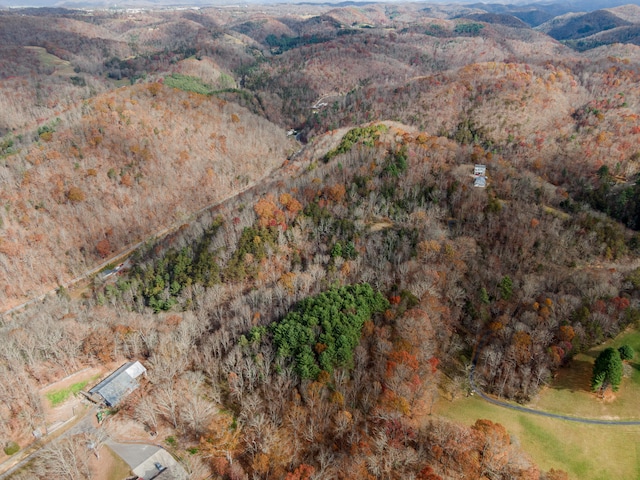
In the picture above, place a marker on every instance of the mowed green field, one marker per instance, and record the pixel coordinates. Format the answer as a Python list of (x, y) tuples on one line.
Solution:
[(570, 394), (586, 452)]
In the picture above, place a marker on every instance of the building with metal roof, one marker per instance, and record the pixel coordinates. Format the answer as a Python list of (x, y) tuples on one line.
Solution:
[(149, 462), (480, 176), (480, 182), (480, 170), (119, 384)]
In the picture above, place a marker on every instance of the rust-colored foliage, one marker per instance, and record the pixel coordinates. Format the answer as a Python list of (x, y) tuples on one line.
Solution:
[(126, 180), (103, 247), (260, 464), (522, 345), (100, 344), (221, 437), (433, 363), (394, 300), (75, 195), (404, 358), (427, 473), (292, 205), (154, 88), (620, 303), (336, 192), (303, 472), (269, 214), (566, 333)]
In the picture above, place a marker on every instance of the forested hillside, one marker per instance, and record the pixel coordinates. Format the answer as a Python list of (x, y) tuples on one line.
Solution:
[(346, 272)]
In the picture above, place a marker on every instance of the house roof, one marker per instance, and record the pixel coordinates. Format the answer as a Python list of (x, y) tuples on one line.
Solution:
[(120, 383), (143, 459), (480, 182)]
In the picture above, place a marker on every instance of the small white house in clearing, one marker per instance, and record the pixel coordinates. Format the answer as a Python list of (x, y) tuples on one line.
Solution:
[(480, 176)]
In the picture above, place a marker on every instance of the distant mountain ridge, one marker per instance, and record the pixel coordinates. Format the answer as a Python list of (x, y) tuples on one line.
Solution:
[(583, 31), (531, 13), (506, 19), (587, 24)]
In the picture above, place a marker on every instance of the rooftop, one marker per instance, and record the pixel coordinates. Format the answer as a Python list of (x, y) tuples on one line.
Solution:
[(120, 383)]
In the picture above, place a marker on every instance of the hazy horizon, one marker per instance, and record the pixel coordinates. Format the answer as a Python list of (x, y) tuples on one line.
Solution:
[(576, 6)]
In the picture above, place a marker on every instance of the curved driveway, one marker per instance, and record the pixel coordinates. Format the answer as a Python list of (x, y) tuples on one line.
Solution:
[(542, 413)]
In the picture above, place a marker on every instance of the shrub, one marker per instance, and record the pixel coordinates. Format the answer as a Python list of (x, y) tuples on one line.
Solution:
[(11, 448), (75, 194), (103, 247), (626, 352), (607, 370)]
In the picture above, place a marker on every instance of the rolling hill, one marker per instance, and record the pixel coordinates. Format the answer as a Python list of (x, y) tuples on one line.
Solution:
[(316, 267), (124, 165), (579, 26)]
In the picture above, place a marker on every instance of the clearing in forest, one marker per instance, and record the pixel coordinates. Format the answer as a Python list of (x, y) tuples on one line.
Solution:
[(586, 452)]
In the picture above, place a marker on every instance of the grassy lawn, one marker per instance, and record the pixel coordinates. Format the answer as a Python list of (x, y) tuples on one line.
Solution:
[(187, 83), (569, 392), (586, 452), (63, 67), (56, 397)]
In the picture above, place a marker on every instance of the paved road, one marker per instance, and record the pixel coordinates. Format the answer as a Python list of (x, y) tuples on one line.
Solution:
[(83, 424), (542, 413)]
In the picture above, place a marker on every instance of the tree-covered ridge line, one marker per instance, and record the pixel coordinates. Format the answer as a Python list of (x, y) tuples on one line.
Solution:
[(106, 166), (322, 331), (284, 239), (366, 135), (282, 43)]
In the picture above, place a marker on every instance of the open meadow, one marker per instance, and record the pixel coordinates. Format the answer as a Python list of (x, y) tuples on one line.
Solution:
[(586, 452)]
